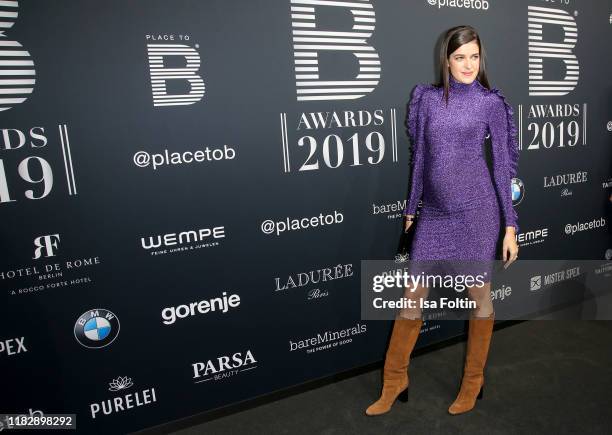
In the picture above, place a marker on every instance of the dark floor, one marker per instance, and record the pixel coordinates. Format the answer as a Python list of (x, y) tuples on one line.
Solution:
[(544, 376)]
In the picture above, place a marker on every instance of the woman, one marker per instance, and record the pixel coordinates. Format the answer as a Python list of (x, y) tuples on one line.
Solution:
[(462, 207)]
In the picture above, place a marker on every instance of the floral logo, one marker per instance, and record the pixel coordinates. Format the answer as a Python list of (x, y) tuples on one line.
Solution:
[(121, 383)]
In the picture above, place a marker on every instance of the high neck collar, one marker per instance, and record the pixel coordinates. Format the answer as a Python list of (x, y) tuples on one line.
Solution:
[(455, 84)]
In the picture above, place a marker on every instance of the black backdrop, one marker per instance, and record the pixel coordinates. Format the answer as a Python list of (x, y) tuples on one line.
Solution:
[(79, 239)]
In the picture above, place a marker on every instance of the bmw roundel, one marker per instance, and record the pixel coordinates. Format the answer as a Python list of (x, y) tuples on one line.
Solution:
[(518, 191), (96, 328)]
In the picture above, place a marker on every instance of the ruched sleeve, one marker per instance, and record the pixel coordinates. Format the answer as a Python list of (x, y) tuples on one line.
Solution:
[(416, 129), (505, 154)]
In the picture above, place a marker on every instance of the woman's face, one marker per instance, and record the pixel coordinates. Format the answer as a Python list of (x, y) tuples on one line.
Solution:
[(464, 62)]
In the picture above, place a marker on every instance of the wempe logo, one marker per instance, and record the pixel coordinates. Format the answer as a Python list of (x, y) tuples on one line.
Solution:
[(184, 241), (96, 328)]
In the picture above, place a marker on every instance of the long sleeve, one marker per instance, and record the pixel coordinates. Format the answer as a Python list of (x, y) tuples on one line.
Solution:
[(505, 154), (416, 130)]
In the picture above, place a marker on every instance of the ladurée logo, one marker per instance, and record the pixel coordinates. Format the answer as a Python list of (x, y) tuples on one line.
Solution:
[(222, 304), (96, 328), (328, 339), (224, 366), (174, 63), (125, 402), (183, 241), (316, 277)]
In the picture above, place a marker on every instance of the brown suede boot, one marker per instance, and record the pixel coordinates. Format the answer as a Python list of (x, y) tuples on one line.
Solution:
[(395, 373), (479, 339)]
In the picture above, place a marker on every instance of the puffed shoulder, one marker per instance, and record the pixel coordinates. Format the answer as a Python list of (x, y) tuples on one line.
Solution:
[(413, 107), (513, 148)]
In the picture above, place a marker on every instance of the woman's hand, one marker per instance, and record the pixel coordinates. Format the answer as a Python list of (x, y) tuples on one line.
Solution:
[(510, 247), (408, 223)]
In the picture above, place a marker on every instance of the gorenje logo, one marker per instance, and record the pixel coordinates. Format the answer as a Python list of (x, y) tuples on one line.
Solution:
[(223, 304), (16, 67), (122, 403), (162, 75), (308, 42), (223, 367)]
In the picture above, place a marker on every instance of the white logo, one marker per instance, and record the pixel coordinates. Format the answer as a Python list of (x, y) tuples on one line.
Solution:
[(223, 304), (16, 67), (308, 42), (224, 367), (162, 75), (47, 243), (12, 346), (125, 402), (540, 50)]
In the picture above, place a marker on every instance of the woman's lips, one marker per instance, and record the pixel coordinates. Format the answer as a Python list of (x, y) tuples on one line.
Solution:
[(467, 74)]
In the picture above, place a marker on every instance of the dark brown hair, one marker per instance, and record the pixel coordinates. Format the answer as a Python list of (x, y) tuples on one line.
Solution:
[(454, 38)]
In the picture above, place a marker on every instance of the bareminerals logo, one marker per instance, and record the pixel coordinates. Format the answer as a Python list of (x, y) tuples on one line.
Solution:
[(328, 339), (223, 304)]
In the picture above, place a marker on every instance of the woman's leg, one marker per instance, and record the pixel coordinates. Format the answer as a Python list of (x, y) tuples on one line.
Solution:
[(406, 328), (479, 339)]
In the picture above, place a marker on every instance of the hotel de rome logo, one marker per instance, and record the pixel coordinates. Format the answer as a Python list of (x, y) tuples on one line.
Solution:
[(47, 269), (323, 138)]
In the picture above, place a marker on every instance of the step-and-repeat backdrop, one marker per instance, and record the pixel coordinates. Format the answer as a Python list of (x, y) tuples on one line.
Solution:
[(187, 188)]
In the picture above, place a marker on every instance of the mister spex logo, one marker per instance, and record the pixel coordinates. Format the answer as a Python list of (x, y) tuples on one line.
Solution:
[(174, 65), (96, 328), (16, 67), (323, 137)]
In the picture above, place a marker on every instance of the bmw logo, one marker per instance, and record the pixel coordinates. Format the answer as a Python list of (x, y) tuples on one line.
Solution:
[(518, 191), (96, 328)]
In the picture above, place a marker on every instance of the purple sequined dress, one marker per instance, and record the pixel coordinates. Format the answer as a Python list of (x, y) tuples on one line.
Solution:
[(463, 207)]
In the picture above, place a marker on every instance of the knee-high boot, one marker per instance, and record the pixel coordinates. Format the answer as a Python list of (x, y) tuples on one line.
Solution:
[(395, 372), (479, 339)]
